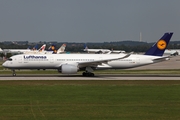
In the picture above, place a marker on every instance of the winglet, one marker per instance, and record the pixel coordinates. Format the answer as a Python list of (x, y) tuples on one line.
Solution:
[(159, 47)]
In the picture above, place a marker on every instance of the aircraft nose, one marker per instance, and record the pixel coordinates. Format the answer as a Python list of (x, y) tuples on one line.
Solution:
[(4, 64)]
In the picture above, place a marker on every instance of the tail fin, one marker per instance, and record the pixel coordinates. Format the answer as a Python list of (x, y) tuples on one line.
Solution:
[(85, 47), (61, 49), (52, 48), (35, 47), (42, 48), (1, 50), (159, 47)]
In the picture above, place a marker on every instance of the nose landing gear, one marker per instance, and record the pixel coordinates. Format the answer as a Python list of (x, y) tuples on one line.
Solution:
[(13, 72)]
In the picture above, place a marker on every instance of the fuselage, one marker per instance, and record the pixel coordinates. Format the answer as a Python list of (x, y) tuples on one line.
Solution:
[(97, 50), (16, 50), (54, 61)]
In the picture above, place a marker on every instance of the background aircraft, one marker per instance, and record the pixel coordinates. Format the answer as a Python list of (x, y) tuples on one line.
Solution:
[(101, 51), (35, 51), (72, 63), (172, 52), (24, 51), (86, 49), (16, 50), (52, 49)]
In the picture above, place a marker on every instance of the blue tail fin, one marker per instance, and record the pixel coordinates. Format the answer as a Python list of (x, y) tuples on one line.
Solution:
[(52, 48), (85, 46), (159, 47), (35, 47)]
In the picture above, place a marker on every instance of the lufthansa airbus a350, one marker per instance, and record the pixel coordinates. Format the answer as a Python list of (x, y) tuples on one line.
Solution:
[(72, 63)]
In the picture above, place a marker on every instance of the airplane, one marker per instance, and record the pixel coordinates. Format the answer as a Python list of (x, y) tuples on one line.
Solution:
[(118, 51), (102, 51), (171, 52), (72, 63), (25, 51), (51, 50), (34, 51), (86, 49), (16, 50)]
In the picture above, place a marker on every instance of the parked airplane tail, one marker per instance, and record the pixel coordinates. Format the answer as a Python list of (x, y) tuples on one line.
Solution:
[(1, 50), (159, 47), (35, 47), (42, 48), (61, 49), (85, 47), (52, 48)]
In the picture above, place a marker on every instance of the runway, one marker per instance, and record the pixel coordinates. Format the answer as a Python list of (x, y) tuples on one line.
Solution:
[(98, 77)]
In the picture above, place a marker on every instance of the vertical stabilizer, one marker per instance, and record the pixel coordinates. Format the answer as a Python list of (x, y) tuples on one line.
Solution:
[(159, 47), (42, 48), (61, 49)]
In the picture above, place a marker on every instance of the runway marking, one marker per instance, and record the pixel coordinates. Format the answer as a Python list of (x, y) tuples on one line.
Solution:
[(32, 110), (40, 110)]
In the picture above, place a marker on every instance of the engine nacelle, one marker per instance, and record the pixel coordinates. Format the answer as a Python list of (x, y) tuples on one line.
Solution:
[(69, 69)]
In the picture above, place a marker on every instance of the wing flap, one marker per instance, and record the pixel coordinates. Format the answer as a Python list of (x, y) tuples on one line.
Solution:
[(161, 59)]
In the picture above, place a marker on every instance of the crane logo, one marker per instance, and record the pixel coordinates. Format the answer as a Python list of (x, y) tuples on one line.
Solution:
[(161, 44)]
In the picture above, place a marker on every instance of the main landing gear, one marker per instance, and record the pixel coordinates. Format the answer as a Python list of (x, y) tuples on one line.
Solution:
[(13, 72), (88, 72)]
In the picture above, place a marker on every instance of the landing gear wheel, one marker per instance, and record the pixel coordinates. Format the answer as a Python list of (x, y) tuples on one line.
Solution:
[(14, 73), (84, 73), (91, 74), (88, 74)]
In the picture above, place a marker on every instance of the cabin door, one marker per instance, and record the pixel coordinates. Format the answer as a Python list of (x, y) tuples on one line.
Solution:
[(20, 59), (51, 60), (137, 61)]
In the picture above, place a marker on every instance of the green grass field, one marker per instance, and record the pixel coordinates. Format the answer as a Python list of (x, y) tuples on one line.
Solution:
[(85, 100)]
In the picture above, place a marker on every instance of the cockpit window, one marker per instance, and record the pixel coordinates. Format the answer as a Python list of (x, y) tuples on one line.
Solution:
[(9, 59)]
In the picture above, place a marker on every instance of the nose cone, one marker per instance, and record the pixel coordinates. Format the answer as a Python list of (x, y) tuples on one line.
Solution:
[(4, 64)]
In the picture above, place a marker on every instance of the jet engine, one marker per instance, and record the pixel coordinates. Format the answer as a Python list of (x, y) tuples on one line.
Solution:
[(69, 69)]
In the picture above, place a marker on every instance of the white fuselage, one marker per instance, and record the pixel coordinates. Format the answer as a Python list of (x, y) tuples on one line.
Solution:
[(54, 61), (97, 50), (16, 50)]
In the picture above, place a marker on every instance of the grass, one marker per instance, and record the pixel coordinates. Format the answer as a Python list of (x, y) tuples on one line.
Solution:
[(80, 100)]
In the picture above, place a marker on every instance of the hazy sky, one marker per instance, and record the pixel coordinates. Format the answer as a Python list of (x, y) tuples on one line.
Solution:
[(88, 20)]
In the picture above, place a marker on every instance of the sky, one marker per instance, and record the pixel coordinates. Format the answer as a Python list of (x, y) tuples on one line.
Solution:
[(88, 20)]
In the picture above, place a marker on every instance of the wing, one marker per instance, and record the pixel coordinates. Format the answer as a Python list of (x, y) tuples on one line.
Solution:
[(99, 62)]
